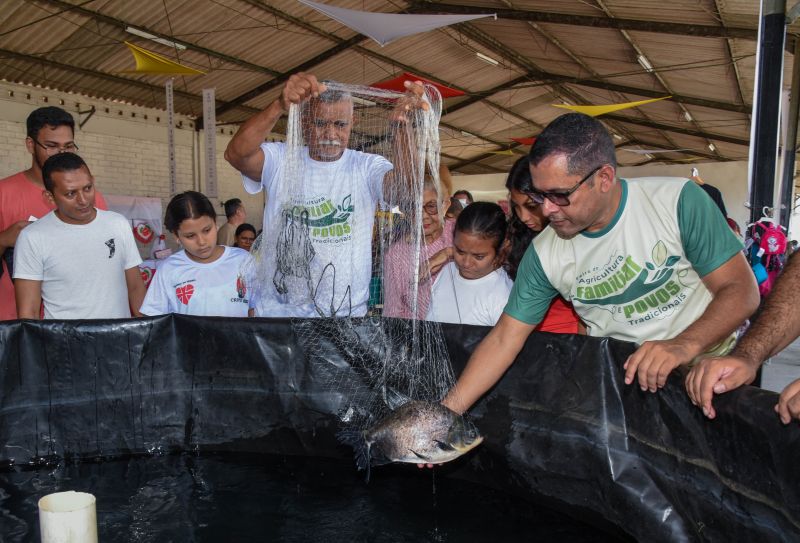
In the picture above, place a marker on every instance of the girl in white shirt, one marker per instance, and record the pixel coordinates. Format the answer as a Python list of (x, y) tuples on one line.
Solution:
[(474, 288), (204, 278)]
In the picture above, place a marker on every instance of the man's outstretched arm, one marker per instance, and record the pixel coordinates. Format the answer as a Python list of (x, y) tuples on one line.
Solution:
[(244, 150), (777, 326), (493, 356)]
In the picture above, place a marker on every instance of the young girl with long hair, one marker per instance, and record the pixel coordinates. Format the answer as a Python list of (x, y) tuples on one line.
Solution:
[(204, 277), (474, 287)]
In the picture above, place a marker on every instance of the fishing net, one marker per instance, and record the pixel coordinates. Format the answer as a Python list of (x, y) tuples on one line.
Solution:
[(332, 216)]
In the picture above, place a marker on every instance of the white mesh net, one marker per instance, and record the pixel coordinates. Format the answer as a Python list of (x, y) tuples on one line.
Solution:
[(346, 187)]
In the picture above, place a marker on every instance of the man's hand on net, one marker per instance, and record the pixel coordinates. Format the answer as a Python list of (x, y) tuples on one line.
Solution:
[(412, 101), (299, 87)]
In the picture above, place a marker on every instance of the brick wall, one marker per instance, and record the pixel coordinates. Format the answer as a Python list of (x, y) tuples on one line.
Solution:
[(124, 146)]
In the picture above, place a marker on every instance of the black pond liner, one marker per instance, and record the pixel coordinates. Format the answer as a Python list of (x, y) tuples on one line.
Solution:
[(560, 425)]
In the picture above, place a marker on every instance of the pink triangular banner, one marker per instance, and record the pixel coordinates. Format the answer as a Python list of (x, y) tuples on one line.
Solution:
[(387, 27)]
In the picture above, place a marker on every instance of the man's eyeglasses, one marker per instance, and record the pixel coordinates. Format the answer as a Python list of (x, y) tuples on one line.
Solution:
[(54, 148), (561, 199)]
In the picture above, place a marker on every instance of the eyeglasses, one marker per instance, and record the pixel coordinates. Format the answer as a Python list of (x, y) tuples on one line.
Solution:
[(54, 148), (431, 208), (561, 199)]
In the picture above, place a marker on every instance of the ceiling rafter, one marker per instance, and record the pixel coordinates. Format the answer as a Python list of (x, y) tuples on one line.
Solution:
[(654, 145), (119, 23), (343, 45), (5, 53), (552, 39), (493, 45), (478, 158), (730, 57), (546, 78), (676, 129), (681, 29), (533, 77), (658, 77)]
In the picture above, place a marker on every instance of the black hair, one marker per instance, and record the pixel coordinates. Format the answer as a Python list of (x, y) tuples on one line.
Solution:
[(465, 193), (187, 205), (519, 177), (231, 207), (244, 227), (484, 219), (48, 116), (61, 162), (582, 139), (520, 236)]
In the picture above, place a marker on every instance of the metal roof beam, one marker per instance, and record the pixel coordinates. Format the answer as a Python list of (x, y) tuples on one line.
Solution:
[(650, 144), (343, 45), (5, 53), (547, 78), (480, 157), (119, 23), (269, 85), (585, 20), (676, 129)]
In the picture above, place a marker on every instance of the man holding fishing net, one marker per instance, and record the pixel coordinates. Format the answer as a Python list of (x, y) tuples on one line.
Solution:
[(314, 258)]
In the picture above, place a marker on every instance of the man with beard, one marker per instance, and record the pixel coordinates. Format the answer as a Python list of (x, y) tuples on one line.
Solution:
[(341, 190), (51, 131), (650, 261)]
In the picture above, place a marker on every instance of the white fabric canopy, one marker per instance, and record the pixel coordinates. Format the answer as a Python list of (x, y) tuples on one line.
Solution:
[(387, 27)]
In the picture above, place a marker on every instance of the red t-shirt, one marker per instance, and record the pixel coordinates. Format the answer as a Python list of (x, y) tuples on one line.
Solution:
[(20, 199), (560, 318)]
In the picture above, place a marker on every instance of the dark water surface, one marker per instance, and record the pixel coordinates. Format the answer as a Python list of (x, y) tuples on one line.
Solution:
[(185, 498)]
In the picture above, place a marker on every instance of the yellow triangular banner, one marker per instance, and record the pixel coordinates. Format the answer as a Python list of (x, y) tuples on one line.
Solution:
[(148, 62), (596, 111), (504, 152)]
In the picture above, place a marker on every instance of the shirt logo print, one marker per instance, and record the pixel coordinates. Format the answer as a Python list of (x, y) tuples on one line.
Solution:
[(184, 293), (111, 248)]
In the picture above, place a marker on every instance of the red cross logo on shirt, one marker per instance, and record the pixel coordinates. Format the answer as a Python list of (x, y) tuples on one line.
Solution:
[(184, 293)]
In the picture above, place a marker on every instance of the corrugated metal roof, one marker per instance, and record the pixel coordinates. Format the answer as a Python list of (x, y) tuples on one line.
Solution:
[(245, 44)]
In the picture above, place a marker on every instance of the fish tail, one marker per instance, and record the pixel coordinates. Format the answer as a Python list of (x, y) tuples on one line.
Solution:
[(354, 438)]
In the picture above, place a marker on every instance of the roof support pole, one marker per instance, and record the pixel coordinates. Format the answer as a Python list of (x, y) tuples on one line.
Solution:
[(767, 106), (787, 183)]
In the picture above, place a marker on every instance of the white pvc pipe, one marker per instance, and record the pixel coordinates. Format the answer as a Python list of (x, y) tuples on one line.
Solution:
[(68, 517)]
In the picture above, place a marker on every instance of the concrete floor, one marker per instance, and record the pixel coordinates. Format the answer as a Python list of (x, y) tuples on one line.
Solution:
[(782, 369)]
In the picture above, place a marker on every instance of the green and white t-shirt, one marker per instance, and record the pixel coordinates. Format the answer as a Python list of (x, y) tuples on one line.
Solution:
[(639, 278)]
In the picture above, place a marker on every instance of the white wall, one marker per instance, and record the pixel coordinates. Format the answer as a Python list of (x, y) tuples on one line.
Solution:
[(484, 188), (126, 152)]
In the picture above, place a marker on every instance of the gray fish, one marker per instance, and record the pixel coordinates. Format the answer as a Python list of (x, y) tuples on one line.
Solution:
[(417, 432)]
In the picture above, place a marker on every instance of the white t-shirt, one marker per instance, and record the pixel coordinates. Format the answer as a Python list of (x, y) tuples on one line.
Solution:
[(81, 266), (340, 199), (181, 285), (469, 301)]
